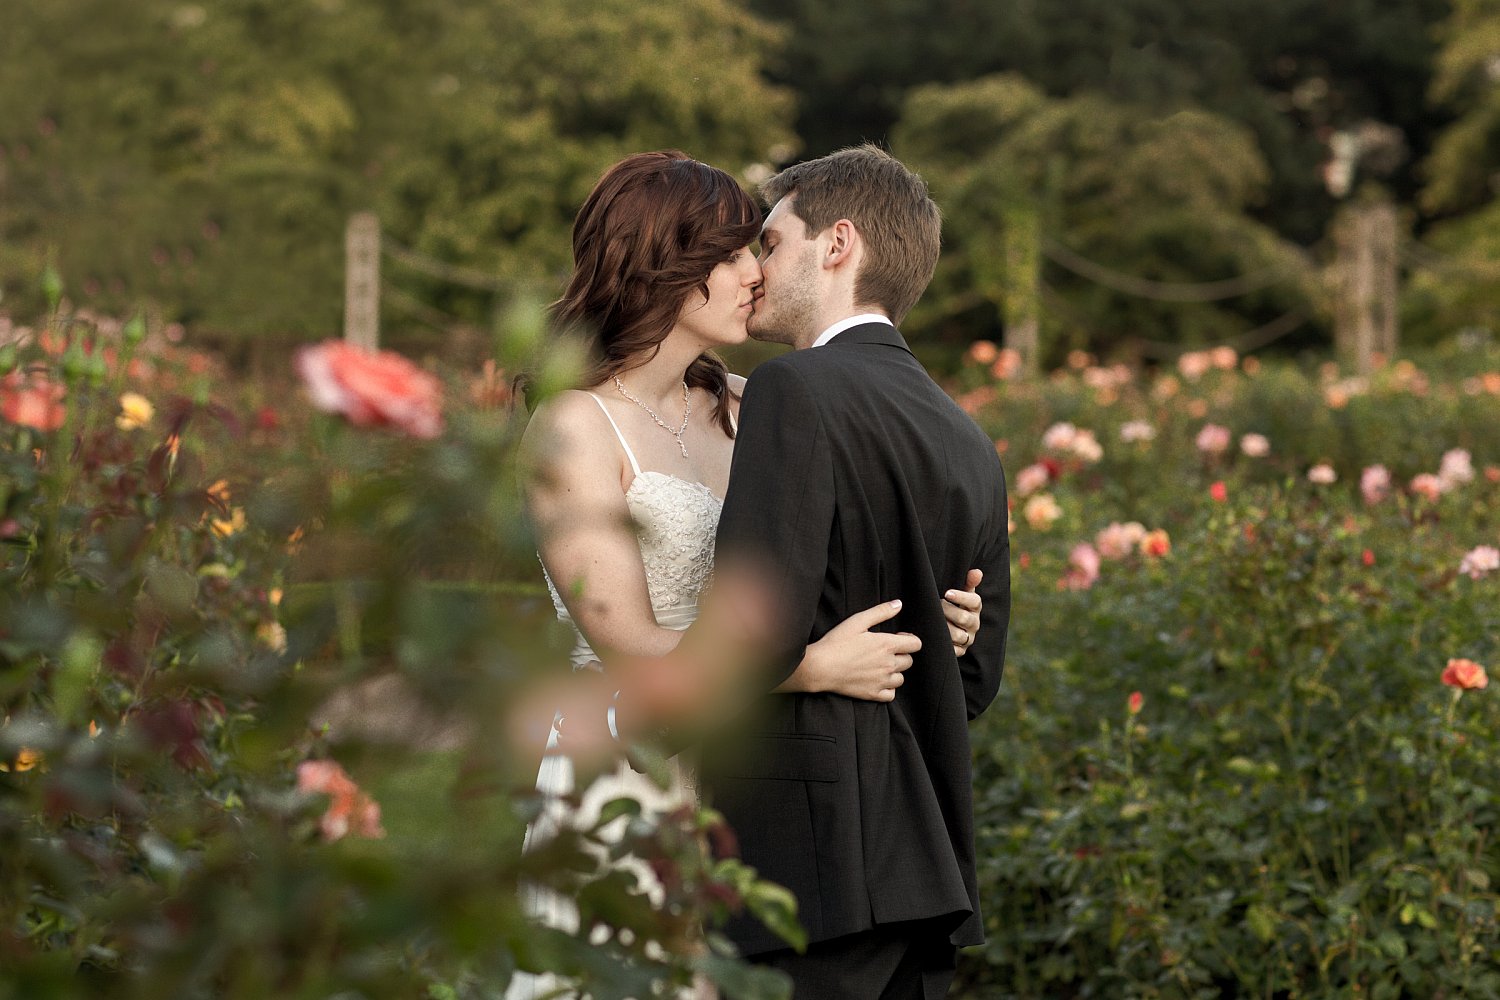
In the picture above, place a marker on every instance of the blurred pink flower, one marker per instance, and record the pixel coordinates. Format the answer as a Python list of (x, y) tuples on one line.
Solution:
[(1218, 491), (1322, 474), (1466, 675), (32, 401), (1255, 445), (1213, 439), (372, 388), (1083, 568), (1194, 365), (1041, 511), (1135, 702), (1375, 484), (1224, 358), (1116, 540), (1059, 437), (1031, 479), (1009, 363), (1456, 469), (1137, 430), (1427, 485), (350, 810), (1086, 447), (1479, 562), (983, 352)]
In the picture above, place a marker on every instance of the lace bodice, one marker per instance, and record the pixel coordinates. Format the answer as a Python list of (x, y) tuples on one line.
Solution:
[(675, 521)]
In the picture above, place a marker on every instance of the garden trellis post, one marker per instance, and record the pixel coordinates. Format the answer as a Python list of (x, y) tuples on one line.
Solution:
[(362, 280), (1366, 284)]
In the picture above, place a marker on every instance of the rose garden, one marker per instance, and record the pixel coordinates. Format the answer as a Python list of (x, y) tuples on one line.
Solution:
[(269, 651)]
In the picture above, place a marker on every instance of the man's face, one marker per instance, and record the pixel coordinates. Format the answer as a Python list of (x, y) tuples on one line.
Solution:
[(787, 305)]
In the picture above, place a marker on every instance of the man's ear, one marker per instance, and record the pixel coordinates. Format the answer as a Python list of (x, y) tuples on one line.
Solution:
[(843, 244)]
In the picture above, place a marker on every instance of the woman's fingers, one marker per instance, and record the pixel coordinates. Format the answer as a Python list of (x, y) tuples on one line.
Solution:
[(863, 621)]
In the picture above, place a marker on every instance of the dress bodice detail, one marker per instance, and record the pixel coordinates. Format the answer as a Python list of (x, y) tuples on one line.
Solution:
[(675, 521)]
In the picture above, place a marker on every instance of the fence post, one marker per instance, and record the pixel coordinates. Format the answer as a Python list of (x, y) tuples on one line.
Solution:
[(362, 280), (1366, 284)]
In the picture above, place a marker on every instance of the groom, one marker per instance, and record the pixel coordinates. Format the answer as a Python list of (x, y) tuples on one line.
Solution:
[(882, 489)]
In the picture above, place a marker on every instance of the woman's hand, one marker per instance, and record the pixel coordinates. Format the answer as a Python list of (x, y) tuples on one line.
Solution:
[(854, 661), (961, 608)]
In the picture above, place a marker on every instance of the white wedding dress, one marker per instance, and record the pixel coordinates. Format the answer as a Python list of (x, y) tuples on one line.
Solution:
[(675, 521)]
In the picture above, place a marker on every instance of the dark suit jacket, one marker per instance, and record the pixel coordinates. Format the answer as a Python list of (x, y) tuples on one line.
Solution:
[(856, 480)]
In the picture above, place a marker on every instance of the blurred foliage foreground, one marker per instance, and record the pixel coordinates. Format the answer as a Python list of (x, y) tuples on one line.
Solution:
[(201, 609), (1243, 748)]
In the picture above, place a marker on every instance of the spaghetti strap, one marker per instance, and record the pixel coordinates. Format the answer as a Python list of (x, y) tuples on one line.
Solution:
[(734, 424), (634, 465)]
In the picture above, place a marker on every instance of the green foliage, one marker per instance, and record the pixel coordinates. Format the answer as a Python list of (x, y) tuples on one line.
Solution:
[(229, 142), (1300, 808)]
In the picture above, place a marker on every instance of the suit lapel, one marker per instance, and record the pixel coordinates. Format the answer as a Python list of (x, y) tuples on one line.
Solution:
[(871, 333)]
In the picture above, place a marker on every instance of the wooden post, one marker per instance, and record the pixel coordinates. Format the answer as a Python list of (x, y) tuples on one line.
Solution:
[(1366, 285), (362, 280), (1021, 302)]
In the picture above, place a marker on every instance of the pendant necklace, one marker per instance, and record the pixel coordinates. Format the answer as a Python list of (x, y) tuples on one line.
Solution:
[(687, 411)]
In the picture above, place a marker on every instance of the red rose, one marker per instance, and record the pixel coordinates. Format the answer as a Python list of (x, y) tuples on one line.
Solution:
[(1134, 702), (372, 388), (1219, 491)]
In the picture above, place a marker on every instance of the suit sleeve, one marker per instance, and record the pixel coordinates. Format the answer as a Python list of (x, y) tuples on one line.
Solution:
[(984, 662), (779, 511)]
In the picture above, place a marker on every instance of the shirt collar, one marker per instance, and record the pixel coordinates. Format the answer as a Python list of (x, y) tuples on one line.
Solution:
[(852, 321)]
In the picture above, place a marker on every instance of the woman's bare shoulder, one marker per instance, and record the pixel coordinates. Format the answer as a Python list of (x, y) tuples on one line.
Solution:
[(565, 425)]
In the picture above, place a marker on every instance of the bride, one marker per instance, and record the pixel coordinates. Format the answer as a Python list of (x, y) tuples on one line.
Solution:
[(625, 476)]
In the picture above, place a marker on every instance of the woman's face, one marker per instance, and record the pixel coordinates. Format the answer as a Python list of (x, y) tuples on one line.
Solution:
[(720, 319)]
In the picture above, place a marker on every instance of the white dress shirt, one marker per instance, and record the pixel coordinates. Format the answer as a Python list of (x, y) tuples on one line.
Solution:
[(852, 321)]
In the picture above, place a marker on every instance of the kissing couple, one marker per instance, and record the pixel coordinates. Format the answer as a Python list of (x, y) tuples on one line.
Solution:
[(872, 507)]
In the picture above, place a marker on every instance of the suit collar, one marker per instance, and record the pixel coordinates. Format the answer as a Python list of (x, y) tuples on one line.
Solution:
[(871, 333)]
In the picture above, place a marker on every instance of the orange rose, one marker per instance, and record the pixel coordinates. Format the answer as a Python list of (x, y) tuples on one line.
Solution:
[(372, 388), (32, 401), (1156, 544), (1466, 675)]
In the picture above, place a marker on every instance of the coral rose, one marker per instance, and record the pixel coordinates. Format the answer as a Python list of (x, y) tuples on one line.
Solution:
[(350, 810), (1156, 544), (32, 401), (372, 388), (1135, 702), (1466, 675), (984, 352), (1218, 491), (1427, 485)]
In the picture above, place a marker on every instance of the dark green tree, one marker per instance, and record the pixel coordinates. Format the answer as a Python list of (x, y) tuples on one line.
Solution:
[(207, 156)]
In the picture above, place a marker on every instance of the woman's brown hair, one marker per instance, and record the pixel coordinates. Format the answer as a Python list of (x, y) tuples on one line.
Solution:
[(647, 237)]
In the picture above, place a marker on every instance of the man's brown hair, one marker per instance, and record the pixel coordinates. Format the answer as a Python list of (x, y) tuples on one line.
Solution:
[(888, 204)]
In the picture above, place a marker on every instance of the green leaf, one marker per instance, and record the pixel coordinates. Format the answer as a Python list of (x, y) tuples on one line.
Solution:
[(1262, 921)]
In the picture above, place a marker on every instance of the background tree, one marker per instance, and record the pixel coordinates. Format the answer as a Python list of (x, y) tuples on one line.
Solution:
[(1164, 198), (225, 145), (1458, 288)]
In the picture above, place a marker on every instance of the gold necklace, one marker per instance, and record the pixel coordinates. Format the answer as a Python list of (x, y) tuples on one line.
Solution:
[(687, 411)]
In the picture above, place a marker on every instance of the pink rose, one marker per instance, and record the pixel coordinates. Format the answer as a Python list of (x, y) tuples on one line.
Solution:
[(1456, 469), (1136, 430), (32, 401), (1059, 437), (1083, 568), (1194, 365), (1040, 511), (1031, 479), (1322, 474), (350, 810), (1375, 484), (1480, 562), (1219, 492), (1466, 675), (372, 388), (1116, 541), (1213, 439)]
